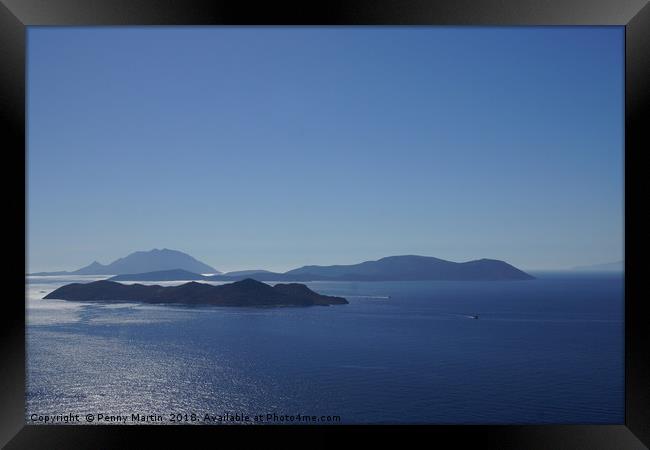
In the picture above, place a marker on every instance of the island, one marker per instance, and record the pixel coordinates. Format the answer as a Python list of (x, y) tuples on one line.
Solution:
[(161, 275), (247, 292), (390, 268)]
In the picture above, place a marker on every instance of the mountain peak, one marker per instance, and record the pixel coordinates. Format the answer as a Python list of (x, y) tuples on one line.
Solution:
[(148, 261)]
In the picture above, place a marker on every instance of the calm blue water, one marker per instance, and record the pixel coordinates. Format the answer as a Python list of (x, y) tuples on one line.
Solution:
[(543, 351)]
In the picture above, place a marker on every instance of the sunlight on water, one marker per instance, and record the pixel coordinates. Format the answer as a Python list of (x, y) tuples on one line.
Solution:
[(398, 353)]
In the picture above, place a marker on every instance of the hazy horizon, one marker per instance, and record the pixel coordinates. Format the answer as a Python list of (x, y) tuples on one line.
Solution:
[(252, 266), (273, 148)]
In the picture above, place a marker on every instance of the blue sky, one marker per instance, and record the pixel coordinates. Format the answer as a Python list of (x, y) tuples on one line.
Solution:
[(277, 147)]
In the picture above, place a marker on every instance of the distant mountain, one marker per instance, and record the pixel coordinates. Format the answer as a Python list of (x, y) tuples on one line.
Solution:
[(143, 261), (184, 275), (414, 268), (94, 268), (247, 292), (267, 276), (392, 268), (160, 275), (617, 266), (239, 273)]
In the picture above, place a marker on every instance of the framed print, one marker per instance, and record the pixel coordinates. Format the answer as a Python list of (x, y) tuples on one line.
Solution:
[(367, 218)]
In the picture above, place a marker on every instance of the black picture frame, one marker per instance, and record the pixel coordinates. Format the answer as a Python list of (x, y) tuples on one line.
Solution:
[(634, 15)]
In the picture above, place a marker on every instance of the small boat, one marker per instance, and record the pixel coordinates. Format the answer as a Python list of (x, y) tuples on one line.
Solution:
[(475, 317)]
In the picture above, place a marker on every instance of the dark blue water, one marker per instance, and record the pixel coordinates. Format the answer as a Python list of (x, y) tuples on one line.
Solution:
[(543, 351)]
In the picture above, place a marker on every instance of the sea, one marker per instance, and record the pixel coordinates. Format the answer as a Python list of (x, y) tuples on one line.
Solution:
[(543, 351)]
